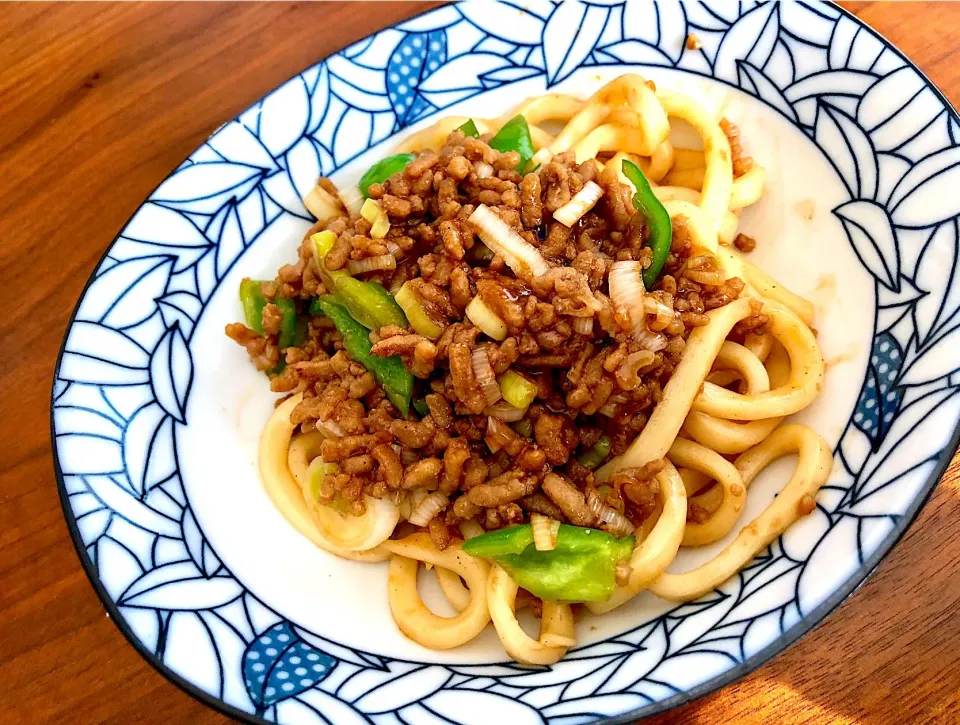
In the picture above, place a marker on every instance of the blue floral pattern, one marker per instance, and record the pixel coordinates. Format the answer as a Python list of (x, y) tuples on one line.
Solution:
[(125, 373)]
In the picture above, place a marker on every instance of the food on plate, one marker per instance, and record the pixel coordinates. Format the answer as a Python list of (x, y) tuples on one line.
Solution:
[(537, 363)]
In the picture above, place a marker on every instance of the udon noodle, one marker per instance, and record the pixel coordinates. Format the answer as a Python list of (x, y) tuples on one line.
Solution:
[(718, 422)]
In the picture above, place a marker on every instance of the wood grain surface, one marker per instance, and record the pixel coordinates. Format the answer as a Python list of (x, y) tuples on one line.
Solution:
[(98, 103)]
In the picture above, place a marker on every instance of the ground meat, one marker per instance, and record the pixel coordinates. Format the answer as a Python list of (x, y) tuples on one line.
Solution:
[(697, 514), (390, 466), (458, 168), (264, 352), (537, 503), (357, 464), (413, 435), (465, 385), (531, 207), (271, 318), (439, 533), (741, 162), (336, 449), (639, 489), (439, 409), (424, 473), (744, 243), (806, 505), (418, 353), (619, 208), (338, 255), (452, 237), (456, 455), (590, 377), (755, 324), (460, 293), (506, 488), (568, 499), (557, 437)]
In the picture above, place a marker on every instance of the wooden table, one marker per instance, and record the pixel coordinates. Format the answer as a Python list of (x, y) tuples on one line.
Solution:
[(98, 103)]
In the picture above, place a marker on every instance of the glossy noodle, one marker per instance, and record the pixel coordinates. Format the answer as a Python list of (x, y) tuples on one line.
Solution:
[(409, 463)]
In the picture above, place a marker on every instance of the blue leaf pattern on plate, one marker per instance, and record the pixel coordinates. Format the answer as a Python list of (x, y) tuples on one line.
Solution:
[(124, 378), (278, 665), (878, 405), (417, 56)]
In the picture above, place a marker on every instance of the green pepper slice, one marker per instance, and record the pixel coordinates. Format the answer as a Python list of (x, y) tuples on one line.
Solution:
[(369, 303), (288, 322), (420, 405), (397, 382), (300, 331), (596, 455), (253, 301), (383, 170), (515, 136), (582, 567), (658, 220), (524, 427), (469, 129)]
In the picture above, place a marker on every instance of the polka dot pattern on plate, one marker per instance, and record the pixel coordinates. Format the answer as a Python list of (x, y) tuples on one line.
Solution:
[(273, 665), (416, 57), (880, 397)]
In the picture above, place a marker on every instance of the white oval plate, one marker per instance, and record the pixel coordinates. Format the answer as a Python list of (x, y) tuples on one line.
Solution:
[(156, 413)]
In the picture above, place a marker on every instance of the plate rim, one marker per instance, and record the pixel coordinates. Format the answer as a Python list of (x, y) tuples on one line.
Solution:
[(780, 644)]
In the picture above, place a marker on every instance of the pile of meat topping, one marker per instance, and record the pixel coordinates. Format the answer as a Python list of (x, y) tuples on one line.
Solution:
[(595, 371)]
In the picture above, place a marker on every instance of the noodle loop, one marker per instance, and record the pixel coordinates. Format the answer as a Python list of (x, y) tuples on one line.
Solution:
[(556, 623), (815, 459), (412, 616), (571, 261)]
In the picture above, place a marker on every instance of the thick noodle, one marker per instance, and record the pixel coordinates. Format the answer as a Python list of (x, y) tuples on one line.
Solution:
[(731, 437), (814, 462), (412, 616), (729, 482), (699, 423), (655, 552), (317, 523)]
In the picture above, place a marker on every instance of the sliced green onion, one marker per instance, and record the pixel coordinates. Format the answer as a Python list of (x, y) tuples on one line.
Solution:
[(322, 204), (251, 296), (486, 319), (522, 257), (372, 264), (417, 314), (352, 199), (544, 532), (516, 389), (582, 202), (322, 243), (316, 472), (596, 455)]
